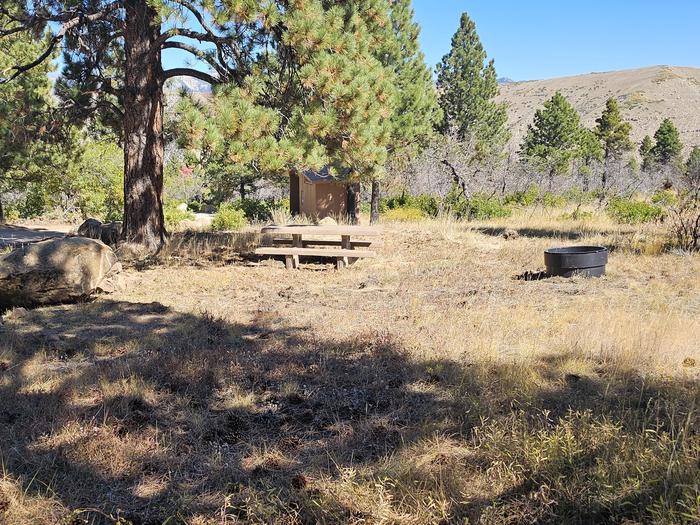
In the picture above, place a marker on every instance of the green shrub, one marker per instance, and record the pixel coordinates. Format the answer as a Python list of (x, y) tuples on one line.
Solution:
[(403, 214), (174, 216), (523, 198), (98, 181), (578, 196), (260, 210), (478, 207), (428, 204), (550, 200), (456, 203), (394, 202), (664, 198), (229, 218), (578, 215), (483, 207), (633, 212)]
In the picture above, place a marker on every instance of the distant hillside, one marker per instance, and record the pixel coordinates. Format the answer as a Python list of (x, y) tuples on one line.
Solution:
[(646, 97)]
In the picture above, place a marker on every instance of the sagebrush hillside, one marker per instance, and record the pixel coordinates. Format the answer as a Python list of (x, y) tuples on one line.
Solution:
[(646, 97)]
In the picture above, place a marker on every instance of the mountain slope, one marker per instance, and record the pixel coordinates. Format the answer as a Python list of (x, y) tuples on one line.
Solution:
[(646, 97)]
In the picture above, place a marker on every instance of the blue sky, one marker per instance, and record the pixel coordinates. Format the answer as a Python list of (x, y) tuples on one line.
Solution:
[(533, 39)]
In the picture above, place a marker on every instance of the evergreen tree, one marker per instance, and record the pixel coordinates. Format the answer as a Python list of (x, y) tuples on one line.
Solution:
[(591, 151), (614, 133), (554, 138), (668, 147), (317, 97), (28, 126), (310, 61), (692, 169), (112, 67), (645, 152), (467, 86), (416, 112)]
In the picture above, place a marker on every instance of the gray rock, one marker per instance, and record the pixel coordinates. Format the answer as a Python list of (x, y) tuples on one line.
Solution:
[(91, 228), (108, 233), (56, 271)]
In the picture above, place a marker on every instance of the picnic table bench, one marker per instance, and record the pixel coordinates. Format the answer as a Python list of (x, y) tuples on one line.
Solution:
[(345, 250)]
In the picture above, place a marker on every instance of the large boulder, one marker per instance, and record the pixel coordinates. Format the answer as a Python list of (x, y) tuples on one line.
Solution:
[(57, 271)]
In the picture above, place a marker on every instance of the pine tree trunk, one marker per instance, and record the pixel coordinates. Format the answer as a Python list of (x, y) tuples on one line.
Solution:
[(2, 211), (604, 179), (143, 129), (374, 207)]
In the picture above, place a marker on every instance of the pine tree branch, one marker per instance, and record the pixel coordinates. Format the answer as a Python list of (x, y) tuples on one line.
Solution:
[(222, 43), (197, 14), (187, 72), (72, 23), (202, 55)]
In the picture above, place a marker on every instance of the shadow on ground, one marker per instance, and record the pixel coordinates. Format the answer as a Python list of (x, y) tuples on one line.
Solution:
[(144, 413), (11, 236)]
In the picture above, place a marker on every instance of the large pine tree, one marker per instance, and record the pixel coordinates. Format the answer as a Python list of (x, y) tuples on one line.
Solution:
[(668, 146), (112, 57), (28, 124), (645, 152), (554, 138), (317, 95), (311, 62), (416, 111), (467, 85), (614, 133)]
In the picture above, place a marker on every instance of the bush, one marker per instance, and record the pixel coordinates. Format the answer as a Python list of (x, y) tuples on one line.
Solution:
[(633, 212), (428, 204), (456, 203), (478, 207), (664, 198), (684, 220), (260, 210), (580, 197), (229, 218), (483, 207), (98, 181), (403, 214), (523, 198), (550, 200), (174, 216)]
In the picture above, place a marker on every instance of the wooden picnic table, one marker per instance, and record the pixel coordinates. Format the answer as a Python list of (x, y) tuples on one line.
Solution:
[(302, 243)]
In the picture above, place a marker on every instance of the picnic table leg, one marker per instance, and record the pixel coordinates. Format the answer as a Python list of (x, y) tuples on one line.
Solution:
[(289, 262), (347, 245), (296, 243)]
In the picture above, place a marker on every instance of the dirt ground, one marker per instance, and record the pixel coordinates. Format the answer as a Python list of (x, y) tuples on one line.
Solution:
[(428, 385), (12, 235)]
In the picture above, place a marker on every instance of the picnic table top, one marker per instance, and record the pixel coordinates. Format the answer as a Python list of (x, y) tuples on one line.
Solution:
[(311, 229)]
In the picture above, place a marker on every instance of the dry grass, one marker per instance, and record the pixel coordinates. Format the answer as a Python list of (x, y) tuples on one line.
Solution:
[(426, 386)]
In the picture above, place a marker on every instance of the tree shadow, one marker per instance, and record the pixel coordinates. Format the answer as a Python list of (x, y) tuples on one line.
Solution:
[(116, 405), (145, 413), (537, 233), (12, 236)]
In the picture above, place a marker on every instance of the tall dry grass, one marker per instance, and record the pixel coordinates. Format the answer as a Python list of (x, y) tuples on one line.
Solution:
[(426, 386)]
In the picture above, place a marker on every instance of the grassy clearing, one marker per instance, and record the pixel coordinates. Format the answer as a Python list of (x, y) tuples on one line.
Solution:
[(426, 386)]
